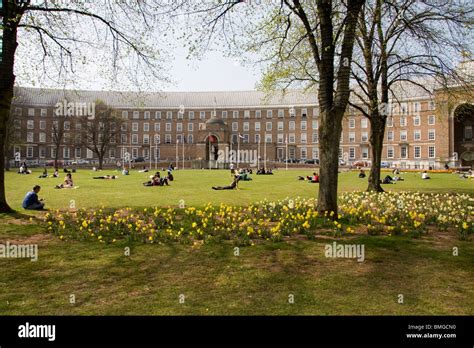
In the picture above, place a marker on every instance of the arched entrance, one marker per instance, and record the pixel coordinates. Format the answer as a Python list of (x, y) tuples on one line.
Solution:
[(463, 134), (212, 148)]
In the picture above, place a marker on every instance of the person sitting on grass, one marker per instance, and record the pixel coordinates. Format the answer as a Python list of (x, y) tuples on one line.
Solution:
[(361, 174), (156, 180), (113, 177), (425, 175), (125, 171), (232, 186), (170, 175), (31, 200), (68, 183), (387, 180), (55, 174), (44, 175), (314, 178)]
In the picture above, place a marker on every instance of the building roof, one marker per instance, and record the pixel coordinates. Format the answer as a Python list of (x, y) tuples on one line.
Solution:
[(116, 99)]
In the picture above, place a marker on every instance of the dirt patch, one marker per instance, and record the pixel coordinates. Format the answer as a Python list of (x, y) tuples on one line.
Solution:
[(40, 239)]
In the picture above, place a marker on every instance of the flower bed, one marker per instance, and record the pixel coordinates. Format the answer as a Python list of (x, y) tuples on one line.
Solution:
[(360, 212)]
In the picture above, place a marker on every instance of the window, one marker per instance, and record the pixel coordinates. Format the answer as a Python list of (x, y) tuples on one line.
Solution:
[(431, 105), (134, 138), (315, 138), (156, 139), (315, 153), (29, 152), (431, 152), (123, 127), (157, 115), (268, 126), (416, 121), (246, 138), (280, 125), (280, 138), (365, 153), (269, 113), (18, 111), (416, 107), (123, 138), (304, 139), (389, 121), (169, 115), (431, 120), (17, 124), (179, 138), (281, 113), (136, 115), (352, 123), (352, 137), (124, 115), (246, 127), (403, 121), (417, 135), (303, 125), (90, 154), (268, 138), (291, 125), (417, 151), (67, 125), (135, 127), (258, 113), (404, 108), (190, 127), (30, 124), (167, 138), (390, 136), (42, 152), (31, 112), (291, 138), (304, 112), (134, 152), (202, 115), (29, 137), (303, 153), (112, 152), (315, 124), (390, 152), (235, 126), (191, 115), (44, 112), (257, 138), (179, 127), (168, 127), (190, 139), (53, 152), (403, 152), (146, 127), (364, 123), (364, 137), (235, 114), (247, 114), (352, 153), (42, 137), (224, 114), (146, 139), (66, 152), (403, 135), (157, 127), (467, 132), (180, 114), (146, 115), (257, 126)]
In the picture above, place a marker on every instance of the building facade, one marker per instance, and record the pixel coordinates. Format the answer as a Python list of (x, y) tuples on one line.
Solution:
[(422, 130)]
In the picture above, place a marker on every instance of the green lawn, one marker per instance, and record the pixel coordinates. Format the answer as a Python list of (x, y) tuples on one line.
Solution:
[(212, 279), (193, 187)]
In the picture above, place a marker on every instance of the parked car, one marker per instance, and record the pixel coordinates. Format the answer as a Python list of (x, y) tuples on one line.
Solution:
[(80, 161), (311, 161), (138, 160), (385, 164)]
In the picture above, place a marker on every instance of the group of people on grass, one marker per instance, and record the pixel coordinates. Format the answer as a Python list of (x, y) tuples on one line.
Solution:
[(157, 180)]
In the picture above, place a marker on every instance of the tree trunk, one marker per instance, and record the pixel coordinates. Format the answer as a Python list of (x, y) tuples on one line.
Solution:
[(7, 81), (101, 160), (56, 157), (329, 136), (377, 133)]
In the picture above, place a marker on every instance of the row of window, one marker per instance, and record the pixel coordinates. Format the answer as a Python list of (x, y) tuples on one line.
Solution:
[(416, 135), (416, 152), (364, 123)]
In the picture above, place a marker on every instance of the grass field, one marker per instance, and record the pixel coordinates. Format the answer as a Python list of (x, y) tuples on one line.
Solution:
[(212, 279), (193, 187)]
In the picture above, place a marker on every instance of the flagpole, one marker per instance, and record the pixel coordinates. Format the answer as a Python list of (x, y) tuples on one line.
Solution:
[(258, 154), (177, 144), (286, 151), (238, 150), (183, 154)]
